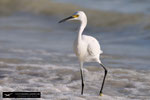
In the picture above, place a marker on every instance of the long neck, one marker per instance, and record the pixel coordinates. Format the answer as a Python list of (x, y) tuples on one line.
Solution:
[(81, 29)]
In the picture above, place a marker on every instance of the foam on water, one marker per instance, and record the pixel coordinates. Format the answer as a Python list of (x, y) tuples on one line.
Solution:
[(62, 82), (36, 53)]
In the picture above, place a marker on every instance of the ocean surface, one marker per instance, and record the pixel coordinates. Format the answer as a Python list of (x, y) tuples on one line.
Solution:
[(36, 54), (125, 6)]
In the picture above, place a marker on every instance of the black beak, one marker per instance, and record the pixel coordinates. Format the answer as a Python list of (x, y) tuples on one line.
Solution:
[(65, 19)]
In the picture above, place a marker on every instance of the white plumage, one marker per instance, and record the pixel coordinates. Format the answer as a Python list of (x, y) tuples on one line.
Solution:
[(86, 48)]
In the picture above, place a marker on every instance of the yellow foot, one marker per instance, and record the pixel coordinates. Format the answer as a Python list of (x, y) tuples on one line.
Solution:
[(101, 94)]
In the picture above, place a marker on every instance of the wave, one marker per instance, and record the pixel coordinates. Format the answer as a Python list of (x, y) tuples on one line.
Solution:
[(64, 81), (51, 8)]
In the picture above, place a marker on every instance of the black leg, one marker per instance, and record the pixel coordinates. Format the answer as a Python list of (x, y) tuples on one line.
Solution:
[(82, 81), (100, 93)]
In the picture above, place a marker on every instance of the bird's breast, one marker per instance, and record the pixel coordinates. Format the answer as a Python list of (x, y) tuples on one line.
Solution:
[(80, 50)]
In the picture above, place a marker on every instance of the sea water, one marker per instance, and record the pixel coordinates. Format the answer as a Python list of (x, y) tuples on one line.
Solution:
[(36, 54)]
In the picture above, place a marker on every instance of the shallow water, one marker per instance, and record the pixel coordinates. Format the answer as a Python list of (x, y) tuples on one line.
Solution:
[(36, 55)]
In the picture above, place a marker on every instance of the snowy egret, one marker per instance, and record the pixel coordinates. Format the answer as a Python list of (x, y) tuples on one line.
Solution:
[(86, 48)]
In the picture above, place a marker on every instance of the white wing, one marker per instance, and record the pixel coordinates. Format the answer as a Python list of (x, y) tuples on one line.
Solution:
[(93, 47)]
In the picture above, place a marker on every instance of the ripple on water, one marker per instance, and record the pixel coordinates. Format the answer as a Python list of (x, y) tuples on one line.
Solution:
[(64, 81)]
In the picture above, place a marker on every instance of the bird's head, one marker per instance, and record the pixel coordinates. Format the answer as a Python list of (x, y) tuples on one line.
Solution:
[(79, 15)]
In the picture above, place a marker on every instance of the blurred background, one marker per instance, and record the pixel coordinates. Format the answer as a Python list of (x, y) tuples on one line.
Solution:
[(37, 51)]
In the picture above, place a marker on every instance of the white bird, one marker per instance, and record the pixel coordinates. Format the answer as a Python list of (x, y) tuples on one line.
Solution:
[(86, 48)]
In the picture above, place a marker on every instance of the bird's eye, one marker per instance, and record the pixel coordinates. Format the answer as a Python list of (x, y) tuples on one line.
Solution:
[(75, 16)]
